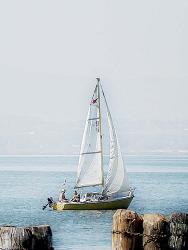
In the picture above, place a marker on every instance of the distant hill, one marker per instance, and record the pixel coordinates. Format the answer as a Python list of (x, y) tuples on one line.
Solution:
[(36, 135)]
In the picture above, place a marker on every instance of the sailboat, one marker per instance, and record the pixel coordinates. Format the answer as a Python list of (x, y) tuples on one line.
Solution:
[(115, 190)]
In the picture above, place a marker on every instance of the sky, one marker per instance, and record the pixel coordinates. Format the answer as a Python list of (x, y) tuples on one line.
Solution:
[(52, 51)]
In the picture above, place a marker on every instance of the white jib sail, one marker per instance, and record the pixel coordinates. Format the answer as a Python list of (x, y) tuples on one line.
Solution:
[(116, 182), (89, 166)]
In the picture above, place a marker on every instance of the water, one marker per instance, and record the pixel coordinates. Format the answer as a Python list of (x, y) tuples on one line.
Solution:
[(25, 183)]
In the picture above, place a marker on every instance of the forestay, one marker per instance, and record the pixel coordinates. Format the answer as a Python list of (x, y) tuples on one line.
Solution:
[(90, 161)]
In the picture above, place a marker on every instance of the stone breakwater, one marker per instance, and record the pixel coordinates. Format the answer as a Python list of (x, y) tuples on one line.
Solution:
[(132, 231), (26, 238)]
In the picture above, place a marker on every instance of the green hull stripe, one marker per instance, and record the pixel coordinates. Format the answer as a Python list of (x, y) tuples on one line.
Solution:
[(103, 205)]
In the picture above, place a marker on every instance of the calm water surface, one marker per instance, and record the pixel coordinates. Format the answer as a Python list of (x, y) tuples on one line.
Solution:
[(25, 182)]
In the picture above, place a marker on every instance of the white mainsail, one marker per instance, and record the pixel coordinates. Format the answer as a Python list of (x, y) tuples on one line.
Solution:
[(90, 171), (116, 182)]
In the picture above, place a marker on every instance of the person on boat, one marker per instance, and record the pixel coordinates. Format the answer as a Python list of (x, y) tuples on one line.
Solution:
[(62, 196), (76, 197), (102, 198)]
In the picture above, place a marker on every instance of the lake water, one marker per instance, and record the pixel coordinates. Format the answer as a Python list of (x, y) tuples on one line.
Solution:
[(161, 184)]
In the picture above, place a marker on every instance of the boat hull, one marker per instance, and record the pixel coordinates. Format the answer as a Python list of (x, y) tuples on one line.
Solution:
[(123, 202)]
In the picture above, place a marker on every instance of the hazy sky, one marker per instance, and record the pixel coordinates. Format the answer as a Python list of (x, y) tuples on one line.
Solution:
[(51, 52)]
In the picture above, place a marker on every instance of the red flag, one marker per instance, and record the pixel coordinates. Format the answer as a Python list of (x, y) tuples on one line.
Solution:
[(93, 101)]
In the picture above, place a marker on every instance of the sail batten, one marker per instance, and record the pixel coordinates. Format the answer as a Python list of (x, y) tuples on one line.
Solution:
[(96, 152), (89, 185), (96, 118)]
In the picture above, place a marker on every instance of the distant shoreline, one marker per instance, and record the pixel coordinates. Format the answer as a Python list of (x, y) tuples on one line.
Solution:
[(77, 155)]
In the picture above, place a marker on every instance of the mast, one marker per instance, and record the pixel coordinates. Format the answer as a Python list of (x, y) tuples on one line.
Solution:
[(100, 130)]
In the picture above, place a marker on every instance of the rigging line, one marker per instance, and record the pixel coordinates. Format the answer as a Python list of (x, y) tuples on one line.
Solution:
[(94, 92), (104, 96)]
